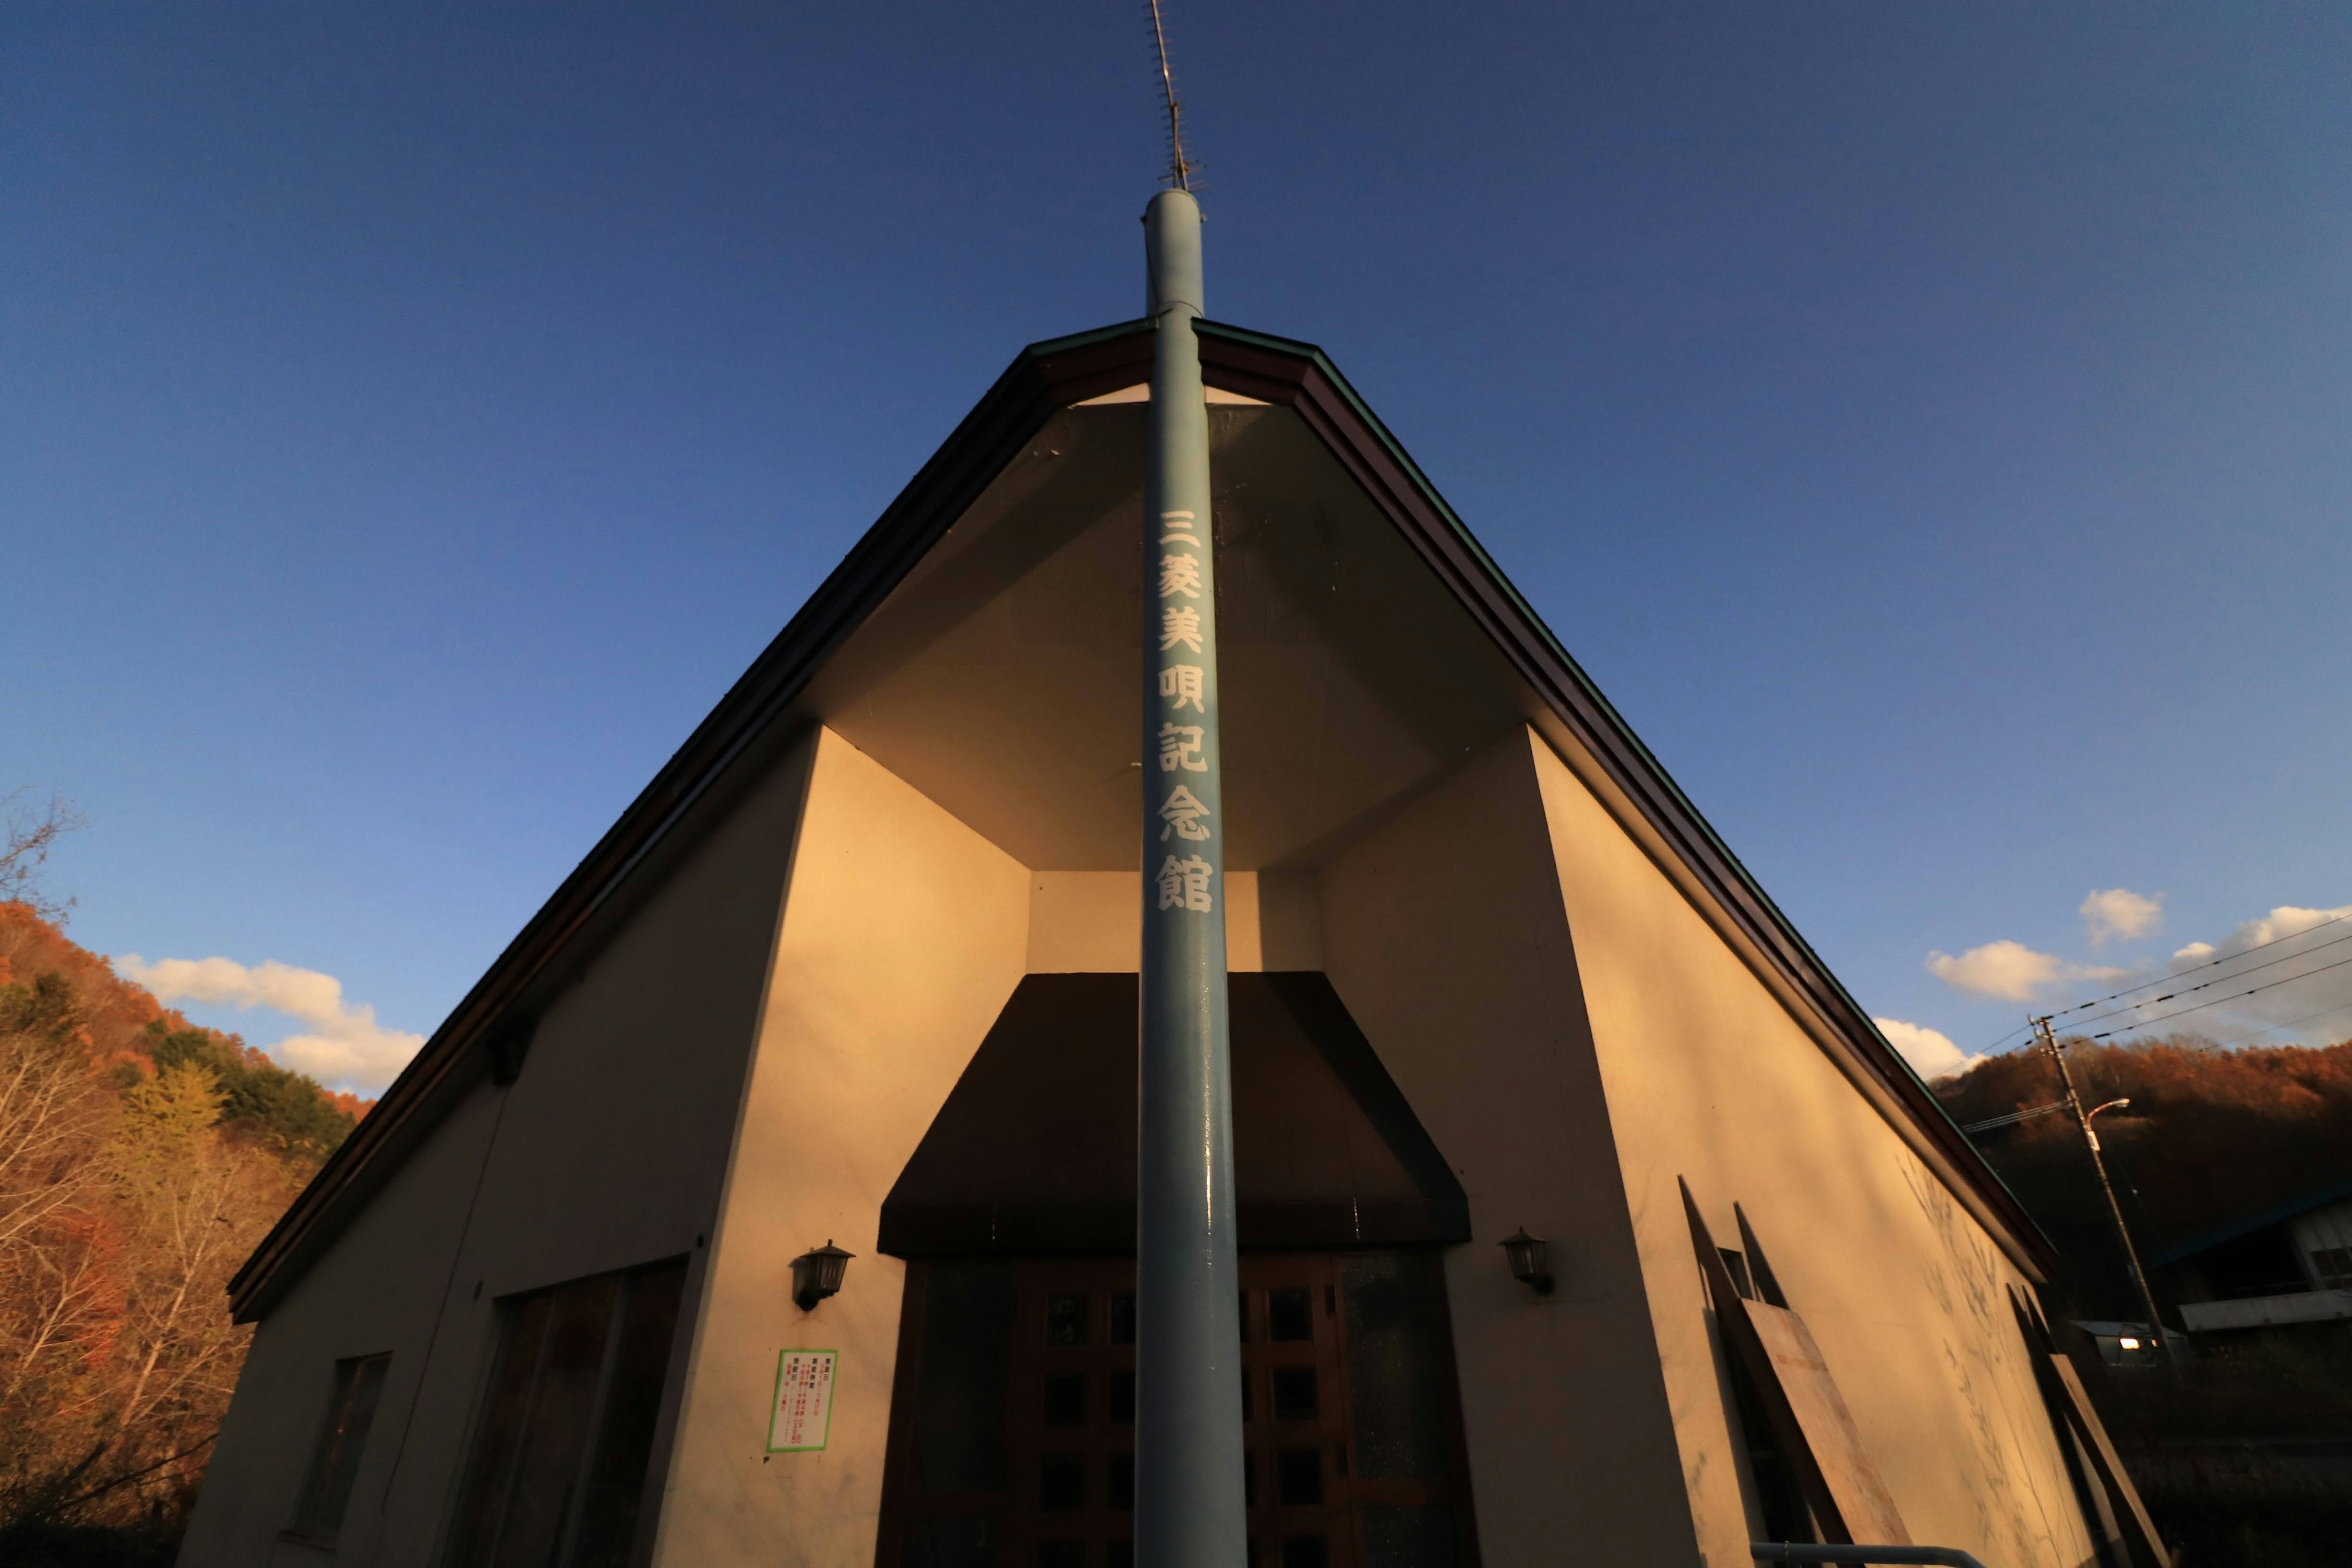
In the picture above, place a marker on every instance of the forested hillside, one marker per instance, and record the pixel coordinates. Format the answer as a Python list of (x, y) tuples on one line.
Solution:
[(2210, 1135), (141, 1159)]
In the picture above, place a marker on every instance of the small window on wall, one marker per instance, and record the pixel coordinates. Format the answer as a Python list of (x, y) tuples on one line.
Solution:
[(335, 1462), (557, 1473)]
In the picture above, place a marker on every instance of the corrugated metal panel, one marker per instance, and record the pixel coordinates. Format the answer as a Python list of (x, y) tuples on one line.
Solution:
[(2324, 1235), (2267, 1311)]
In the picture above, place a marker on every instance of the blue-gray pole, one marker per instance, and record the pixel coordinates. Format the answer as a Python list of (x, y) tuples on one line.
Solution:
[(1188, 1408)]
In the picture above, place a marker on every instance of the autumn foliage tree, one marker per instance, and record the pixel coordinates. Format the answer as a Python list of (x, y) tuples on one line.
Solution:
[(2210, 1136), (141, 1160)]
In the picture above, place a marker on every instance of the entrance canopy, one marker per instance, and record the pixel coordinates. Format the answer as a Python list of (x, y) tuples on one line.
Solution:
[(1034, 1149)]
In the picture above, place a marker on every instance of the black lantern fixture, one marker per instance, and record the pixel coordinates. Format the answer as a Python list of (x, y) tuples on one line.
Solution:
[(817, 1273), (1530, 1261)]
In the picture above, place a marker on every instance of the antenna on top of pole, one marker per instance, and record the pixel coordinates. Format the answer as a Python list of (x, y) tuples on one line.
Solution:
[(1179, 168)]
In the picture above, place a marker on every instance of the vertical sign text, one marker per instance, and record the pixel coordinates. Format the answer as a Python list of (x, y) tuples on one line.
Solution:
[(803, 1413)]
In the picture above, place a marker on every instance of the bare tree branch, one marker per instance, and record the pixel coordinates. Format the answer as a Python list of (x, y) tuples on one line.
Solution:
[(31, 833), (198, 1446)]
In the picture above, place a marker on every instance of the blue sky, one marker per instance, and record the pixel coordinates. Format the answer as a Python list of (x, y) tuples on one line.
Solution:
[(1927, 424)]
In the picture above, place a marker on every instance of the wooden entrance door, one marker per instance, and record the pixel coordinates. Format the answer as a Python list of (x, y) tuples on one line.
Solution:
[(1013, 1427)]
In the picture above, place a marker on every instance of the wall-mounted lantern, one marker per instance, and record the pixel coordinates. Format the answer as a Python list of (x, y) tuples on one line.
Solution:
[(1530, 1261), (817, 1274)]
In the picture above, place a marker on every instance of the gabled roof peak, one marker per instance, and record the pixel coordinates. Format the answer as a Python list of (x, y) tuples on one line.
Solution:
[(1244, 371)]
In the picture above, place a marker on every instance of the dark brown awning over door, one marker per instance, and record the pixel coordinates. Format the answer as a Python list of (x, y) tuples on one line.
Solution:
[(1034, 1149)]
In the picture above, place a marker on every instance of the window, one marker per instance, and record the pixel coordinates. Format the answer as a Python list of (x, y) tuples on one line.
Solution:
[(1012, 1431), (335, 1463), (557, 1475), (2334, 1267), (1806, 1431), (1779, 1499)]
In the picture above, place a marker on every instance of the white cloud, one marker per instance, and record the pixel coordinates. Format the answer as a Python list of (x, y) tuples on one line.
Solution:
[(2010, 970), (2283, 922), (2295, 986), (2287, 1008), (1931, 1052), (2118, 913), (345, 1046)]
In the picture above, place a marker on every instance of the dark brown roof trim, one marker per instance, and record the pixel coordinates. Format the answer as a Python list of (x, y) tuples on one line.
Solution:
[(1302, 378), (1047, 377)]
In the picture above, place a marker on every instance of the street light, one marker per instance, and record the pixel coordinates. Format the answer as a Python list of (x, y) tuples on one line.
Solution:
[(2088, 1115), (2048, 1040)]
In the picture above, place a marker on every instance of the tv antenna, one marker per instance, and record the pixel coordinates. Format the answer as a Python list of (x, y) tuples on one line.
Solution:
[(1179, 168)]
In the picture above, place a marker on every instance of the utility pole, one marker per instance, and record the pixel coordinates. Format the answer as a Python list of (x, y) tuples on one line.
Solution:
[(2049, 1042), (1188, 1480)]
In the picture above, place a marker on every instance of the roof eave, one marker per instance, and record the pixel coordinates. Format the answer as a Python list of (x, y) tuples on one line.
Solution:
[(2277, 1214), (1637, 771), (1044, 378)]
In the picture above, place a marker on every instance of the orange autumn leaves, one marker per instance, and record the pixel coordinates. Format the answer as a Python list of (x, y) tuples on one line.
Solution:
[(2210, 1136), (141, 1160)]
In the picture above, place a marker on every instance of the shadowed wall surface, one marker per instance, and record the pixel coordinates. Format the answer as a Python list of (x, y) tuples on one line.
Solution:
[(1708, 1076), (608, 1151)]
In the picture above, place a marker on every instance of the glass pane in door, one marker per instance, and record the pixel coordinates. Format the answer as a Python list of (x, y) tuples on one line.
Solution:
[(625, 1438), (1408, 1537), (965, 1360), (1396, 1367)]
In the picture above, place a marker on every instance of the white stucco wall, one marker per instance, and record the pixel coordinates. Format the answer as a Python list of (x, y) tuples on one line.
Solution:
[(1092, 922), (1707, 1076), (1444, 933), (608, 1151), (904, 933), (742, 1072), (379, 1289)]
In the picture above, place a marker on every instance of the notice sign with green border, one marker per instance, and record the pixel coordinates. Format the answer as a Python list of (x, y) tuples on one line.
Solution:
[(802, 1416)]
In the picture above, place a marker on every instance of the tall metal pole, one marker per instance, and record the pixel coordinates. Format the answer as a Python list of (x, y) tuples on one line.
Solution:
[(2098, 1162), (1187, 1411)]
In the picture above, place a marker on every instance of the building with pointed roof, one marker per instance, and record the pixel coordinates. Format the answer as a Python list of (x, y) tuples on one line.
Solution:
[(857, 973)]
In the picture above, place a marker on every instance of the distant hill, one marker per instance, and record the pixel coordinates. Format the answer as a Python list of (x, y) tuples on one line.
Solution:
[(127, 1024), (141, 1160), (2210, 1135)]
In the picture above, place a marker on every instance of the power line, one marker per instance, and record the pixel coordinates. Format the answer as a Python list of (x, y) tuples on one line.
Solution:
[(2196, 968), (2216, 1001), (2217, 980), (2048, 1040), (2291, 1023), (1992, 1121), (1993, 1046), (2028, 1114), (1988, 1050)]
